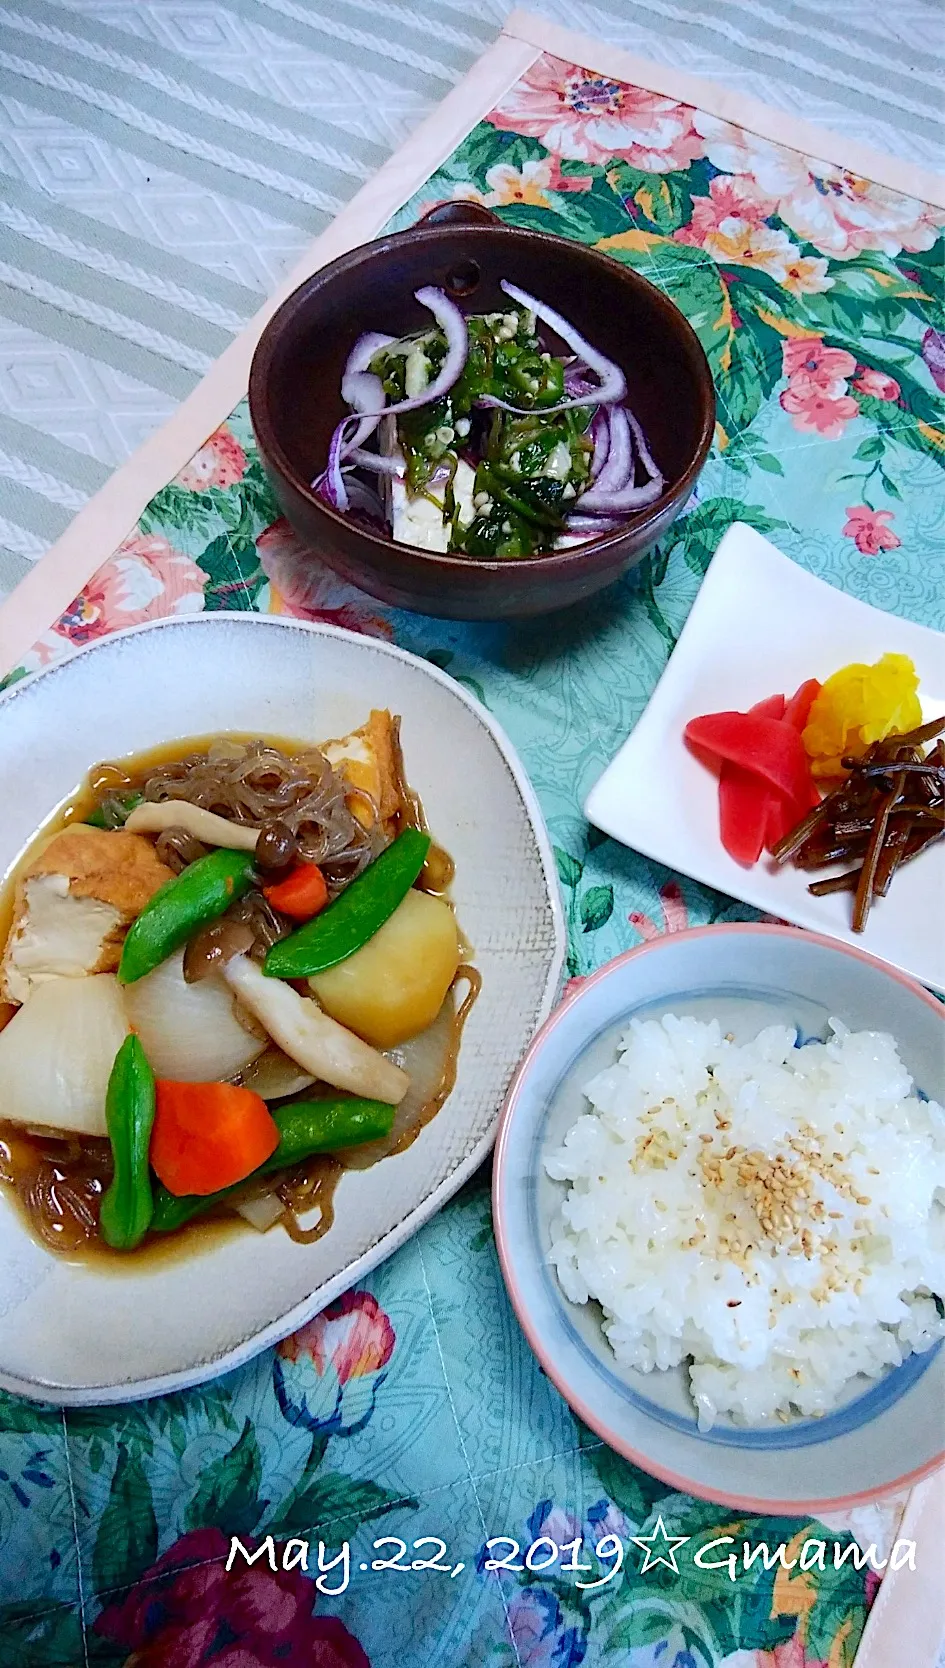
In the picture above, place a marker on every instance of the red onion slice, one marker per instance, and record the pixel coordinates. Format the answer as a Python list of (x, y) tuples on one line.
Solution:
[(617, 470), (600, 434), (627, 498), (592, 526), (453, 325), (364, 388), (331, 485), (576, 381), (612, 384), (615, 489), (366, 394), (364, 350), (365, 499), (360, 459), (643, 451)]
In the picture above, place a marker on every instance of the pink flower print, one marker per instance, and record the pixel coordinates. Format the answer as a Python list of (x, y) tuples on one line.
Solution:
[(732, 204), (539, 1637), (220, 462), (876, 384), (810, 364), (590, 118), (789, 1655), (730, 197), (870, 530), (186, 1604), (53, 644), (604, 1518), (353, 1333), (327, 1374), (146, 579), (820, 413), (837, 211), (730, 224), (302, 587), (675, 913), (817, 397), (553, 1521)]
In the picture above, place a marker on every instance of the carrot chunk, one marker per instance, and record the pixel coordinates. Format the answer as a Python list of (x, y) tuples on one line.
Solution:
[(209, 1135), (301, 895)]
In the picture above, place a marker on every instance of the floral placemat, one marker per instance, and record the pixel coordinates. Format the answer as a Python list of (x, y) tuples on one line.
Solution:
[(412, 1407)]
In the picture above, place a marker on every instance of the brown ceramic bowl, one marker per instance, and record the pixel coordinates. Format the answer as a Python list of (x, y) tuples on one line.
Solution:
[(295, 401)]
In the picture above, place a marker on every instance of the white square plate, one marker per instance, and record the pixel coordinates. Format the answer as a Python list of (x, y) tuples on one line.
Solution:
[(760, 626)]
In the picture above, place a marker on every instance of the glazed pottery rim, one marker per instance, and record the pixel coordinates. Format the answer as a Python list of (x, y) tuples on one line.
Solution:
[(595, 1421), (247, 1348), (543, 562)]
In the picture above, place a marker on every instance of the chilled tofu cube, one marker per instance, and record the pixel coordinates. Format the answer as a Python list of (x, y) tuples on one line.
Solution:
[(464, 487), (369, 759), (420, 520), (73, 905)]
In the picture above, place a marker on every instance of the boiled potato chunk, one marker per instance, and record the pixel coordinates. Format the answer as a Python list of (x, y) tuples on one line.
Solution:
[(395, 986)]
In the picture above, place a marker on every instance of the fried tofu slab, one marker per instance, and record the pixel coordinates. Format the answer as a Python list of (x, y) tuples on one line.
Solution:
[(73, 904), (369, 759)]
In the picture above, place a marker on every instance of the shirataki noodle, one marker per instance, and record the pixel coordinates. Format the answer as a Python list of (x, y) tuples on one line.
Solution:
[(253, 783)]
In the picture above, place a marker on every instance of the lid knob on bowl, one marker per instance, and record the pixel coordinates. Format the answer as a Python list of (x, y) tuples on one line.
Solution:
[(459, 213)]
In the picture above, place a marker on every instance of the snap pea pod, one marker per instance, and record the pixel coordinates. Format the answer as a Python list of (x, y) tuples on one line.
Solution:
[(199, 894), (355, 916), (113, 811), (305, 1128), (125, 1214)]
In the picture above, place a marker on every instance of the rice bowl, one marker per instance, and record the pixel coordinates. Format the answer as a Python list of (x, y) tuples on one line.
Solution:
[(751, 977), (772, 1214)]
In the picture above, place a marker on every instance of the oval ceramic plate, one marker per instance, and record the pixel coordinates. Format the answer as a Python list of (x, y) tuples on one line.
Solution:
[(75, 1333), (889, 1432)]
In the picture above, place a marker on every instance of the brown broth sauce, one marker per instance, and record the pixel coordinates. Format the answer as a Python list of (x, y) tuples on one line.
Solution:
[(39, 1167)]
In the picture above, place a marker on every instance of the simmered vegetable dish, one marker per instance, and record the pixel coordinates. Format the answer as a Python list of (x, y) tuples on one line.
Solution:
[(228, 973)]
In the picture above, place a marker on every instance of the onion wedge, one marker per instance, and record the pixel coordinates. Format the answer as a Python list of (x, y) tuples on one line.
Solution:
[(318, 1044)]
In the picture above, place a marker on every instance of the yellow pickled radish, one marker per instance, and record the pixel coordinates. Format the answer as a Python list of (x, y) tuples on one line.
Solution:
[(858, 705)]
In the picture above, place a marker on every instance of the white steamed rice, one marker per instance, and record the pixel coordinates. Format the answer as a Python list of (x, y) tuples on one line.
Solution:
[(774, 1215)]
